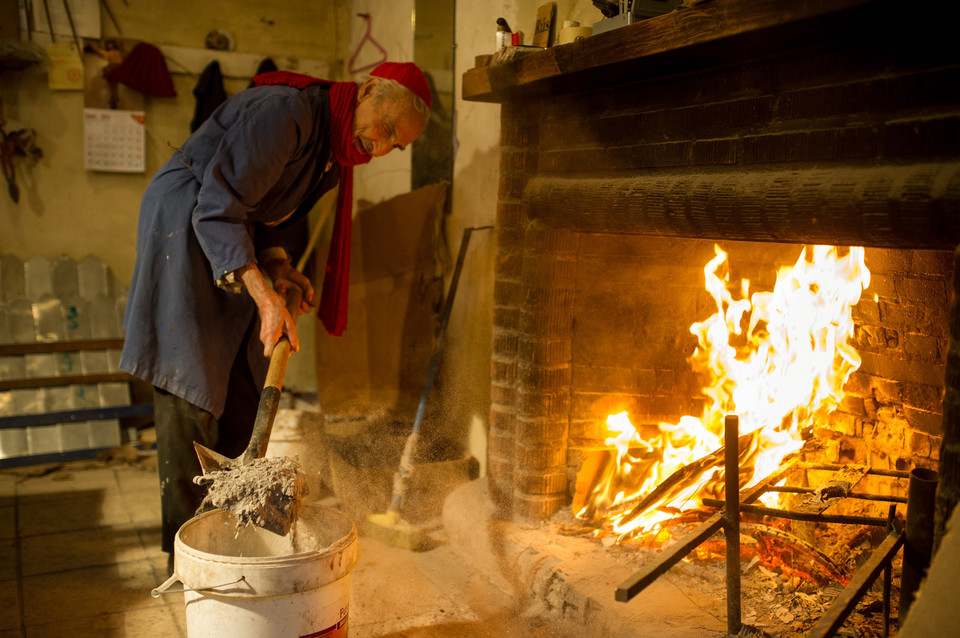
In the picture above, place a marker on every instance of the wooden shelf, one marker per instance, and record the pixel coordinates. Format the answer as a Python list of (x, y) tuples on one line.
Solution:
[(12, 350), (708, 32), (15, 54)]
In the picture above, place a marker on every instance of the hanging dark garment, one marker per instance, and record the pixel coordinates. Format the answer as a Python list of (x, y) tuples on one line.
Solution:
[(266, 66), (209, 93)]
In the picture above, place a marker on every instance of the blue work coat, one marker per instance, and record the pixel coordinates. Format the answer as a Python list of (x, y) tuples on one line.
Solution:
[(261, 155)]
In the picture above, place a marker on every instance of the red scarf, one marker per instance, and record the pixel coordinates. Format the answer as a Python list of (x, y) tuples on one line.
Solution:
[(336, 281)]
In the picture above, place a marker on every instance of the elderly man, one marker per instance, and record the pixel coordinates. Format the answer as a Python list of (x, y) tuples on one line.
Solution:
[(221, 214)]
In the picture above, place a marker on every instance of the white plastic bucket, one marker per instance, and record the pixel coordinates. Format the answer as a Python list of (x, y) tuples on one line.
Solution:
[(258, 584)]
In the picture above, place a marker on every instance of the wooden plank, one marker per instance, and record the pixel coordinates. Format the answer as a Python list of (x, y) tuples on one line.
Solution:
[(52, 457), (682, 477), (12, 350), (76, 416), (829, 493), (75, 379), (705, 23)]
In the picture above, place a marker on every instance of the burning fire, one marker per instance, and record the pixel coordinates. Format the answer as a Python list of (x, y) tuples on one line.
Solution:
[(778, 360)]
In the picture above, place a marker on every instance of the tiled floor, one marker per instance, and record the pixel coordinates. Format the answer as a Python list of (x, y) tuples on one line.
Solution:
[(80, 553)]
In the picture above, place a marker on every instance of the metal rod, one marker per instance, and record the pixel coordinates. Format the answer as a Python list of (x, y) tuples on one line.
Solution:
[(73, 29), (887, 584), (113, 19), (642, 579), (639, 581), (865, 497), (801, 516), (46, 10), (888, 573), (847, 600), (804, 465), (731, 522), (918, 546)]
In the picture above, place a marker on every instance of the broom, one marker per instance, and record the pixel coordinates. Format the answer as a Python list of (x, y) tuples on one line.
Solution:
[(390, 526)]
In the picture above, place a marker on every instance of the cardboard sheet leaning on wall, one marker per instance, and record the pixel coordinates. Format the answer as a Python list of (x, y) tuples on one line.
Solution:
[(398, 257)]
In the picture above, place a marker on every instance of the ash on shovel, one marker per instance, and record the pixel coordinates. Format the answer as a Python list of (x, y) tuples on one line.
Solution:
[(266, 492)]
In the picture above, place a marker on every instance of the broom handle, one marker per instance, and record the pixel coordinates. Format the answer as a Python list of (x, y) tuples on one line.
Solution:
[(406, 459)]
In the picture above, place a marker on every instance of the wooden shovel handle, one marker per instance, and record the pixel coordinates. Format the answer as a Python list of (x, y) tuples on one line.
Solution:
[(270, 396)]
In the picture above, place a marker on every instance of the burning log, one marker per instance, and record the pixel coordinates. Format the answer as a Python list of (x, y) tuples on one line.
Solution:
[(778, 360), (690, 472), (779, 550), (782, 550)]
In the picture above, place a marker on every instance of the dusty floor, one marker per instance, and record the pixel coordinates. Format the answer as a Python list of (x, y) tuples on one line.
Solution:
[(80, 553)]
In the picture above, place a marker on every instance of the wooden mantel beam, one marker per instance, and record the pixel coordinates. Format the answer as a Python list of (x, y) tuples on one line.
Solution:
[(903, 206), (706, 31)]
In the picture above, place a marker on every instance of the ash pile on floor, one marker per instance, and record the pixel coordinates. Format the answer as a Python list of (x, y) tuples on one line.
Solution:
[(267, 492)]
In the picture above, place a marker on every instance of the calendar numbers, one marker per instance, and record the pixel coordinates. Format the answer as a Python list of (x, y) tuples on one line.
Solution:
[(114, 140)]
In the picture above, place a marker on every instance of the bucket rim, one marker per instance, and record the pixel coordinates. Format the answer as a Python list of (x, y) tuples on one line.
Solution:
[(336, 547)]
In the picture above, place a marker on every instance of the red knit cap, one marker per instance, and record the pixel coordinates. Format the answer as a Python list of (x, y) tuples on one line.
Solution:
[(144, 70), (409, 75)]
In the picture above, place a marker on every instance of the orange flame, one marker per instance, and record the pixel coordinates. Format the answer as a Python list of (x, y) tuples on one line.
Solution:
[(778, 360)]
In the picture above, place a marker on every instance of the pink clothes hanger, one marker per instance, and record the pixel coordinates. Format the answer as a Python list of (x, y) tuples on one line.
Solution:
[(365, 38)]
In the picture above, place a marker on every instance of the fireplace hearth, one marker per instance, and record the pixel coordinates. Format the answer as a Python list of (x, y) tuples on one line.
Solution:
[(626, 156), (758, 127)]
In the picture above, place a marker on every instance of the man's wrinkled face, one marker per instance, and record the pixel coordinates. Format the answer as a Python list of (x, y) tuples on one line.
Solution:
[(380, 128)]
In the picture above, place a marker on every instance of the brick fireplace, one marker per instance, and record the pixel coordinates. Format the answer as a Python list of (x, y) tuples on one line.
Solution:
[(758, 126)]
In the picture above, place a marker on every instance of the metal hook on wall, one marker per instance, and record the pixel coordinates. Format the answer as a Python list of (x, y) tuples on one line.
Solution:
[(365, 38)]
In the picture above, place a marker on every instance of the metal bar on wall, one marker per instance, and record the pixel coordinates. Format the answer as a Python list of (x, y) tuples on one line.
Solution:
[(731, 519)]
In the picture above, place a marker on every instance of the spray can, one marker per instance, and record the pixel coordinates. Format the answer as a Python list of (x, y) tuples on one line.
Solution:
[(504, 35)]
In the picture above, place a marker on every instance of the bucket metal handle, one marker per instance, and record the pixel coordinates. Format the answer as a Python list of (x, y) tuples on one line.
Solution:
[(165, 587)]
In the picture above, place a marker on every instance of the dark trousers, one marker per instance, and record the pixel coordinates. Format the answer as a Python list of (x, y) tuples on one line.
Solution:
[(180, 423)]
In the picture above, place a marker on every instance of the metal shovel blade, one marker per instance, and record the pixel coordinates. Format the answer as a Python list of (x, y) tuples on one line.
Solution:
[(211, 461), (267, 492)]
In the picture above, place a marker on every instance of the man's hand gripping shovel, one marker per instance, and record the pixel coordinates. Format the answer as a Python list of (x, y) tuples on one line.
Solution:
[(264, 491)]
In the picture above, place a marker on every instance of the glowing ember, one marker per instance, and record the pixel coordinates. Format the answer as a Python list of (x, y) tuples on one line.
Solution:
[(778, 360)]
